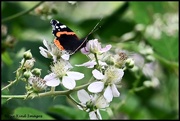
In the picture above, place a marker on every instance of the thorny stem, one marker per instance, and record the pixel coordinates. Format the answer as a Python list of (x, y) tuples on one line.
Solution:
[(50, 93)]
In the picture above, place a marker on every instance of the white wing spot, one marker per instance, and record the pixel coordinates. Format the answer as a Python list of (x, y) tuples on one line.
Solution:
[(63, 26)]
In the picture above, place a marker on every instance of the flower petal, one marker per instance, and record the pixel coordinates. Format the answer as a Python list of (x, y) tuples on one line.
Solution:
[(89, 64), (83, 96), (96, 87), (51, 80), (102, 63), (46, 44), (68, 83), (101, 102), (97, 74), (108, 94), (115, 92), (75, 75), (95, 115), (98, 114), (85, 50), (43, 52), (121, 73), (105, 49), (92, 115), (65, 56), (50, 77)]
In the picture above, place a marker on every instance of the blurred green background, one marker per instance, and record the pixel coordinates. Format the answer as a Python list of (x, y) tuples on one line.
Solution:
[(136, 27)]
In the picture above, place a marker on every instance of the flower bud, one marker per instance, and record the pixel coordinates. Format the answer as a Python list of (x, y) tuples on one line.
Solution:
[(36, 72), (27, 74), (27, 55), (129, 63), (28, 63)]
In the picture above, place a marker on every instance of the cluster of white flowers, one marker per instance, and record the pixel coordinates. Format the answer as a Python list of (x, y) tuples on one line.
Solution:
[(60, 70), (107, 72), (168, 24), (106, 78)]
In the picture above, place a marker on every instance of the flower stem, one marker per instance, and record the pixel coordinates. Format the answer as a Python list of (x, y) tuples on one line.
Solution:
[(10, 84), (96, 60), (21, 13), (18, 75), (52, 89), (44, 94)]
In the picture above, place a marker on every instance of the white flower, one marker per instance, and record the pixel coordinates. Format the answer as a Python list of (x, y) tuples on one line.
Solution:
[(53, 52), (93, 46), (108, 82), (61, 73), (92, 104)]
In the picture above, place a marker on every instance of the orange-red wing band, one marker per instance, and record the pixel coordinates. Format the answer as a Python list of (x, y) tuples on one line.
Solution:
[(58, 34), (58, 44)]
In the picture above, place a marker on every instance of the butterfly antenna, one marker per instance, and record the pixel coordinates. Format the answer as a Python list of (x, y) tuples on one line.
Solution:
[(93, 30)]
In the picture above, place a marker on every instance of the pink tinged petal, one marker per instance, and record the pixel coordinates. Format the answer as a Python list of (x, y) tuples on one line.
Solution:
[(85, 50), (53, 83), (65, 56), (97, 74), (105, 49), (96, 87), (83, 96), (108, 94), (68, 83), (51, 80), (115, 91), (75, 75), (50, 77), (89, 64)]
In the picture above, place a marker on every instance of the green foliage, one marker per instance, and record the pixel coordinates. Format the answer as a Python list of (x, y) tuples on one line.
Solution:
[(25, 113), (68, 112)]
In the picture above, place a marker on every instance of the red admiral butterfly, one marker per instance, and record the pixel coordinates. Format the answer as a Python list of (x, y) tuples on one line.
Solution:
[(66, 39)]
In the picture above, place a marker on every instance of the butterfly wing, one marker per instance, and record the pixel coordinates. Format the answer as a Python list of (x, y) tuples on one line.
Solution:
[(65, 38)]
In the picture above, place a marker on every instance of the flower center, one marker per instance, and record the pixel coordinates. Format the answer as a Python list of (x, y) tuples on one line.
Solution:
[(60, 68), (111, 75)]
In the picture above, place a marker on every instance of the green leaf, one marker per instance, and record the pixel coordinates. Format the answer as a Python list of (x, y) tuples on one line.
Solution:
[(68, 112), (25, 113), (143, 11), (6, 58), (166, 47)]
